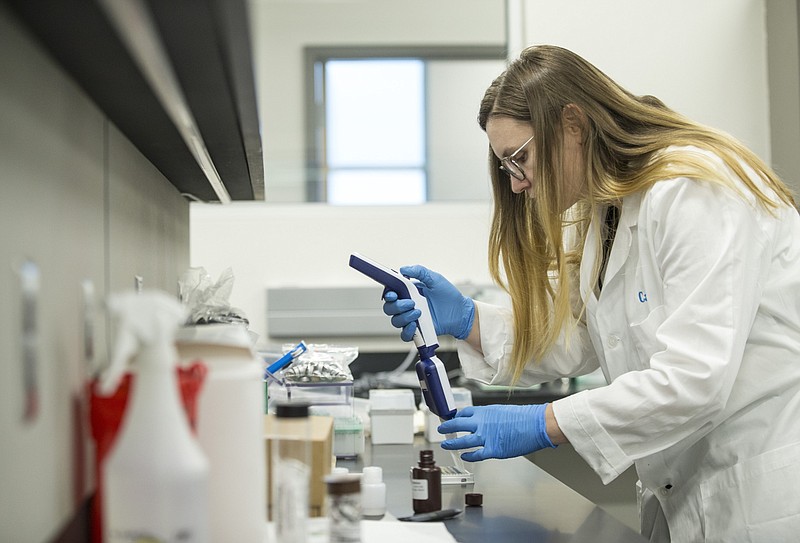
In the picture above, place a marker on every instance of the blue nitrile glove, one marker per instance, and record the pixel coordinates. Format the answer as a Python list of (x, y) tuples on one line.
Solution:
[(503, 431), (452, 312)]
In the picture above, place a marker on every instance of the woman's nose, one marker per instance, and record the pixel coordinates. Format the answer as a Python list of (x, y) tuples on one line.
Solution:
[(518, 186)]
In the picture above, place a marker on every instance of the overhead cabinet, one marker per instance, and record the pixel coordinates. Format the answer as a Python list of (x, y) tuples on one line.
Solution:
[(175, 77)]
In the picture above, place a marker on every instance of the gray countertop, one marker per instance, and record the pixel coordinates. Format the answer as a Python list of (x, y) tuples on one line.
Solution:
[(521, 502)]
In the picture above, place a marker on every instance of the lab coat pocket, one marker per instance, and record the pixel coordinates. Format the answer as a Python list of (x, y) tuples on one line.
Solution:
[(754, 500), (643, 338)]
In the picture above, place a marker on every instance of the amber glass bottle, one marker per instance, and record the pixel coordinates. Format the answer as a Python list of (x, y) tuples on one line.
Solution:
[(426, 484)]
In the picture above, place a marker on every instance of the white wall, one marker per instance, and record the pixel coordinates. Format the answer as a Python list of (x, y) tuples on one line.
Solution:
[(706, 59), (784, 88), (308, 245), (458, 169)]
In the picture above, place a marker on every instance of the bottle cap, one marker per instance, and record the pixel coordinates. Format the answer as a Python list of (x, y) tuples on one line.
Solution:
[(291, 410), (473, 499), (343, 484), (372, 475), (426, 458)]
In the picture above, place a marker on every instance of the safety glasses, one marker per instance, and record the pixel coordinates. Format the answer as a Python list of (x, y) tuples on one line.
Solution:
[(510, 165)]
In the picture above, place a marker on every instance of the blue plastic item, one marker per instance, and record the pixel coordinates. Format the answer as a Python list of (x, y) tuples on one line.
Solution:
[(288, 358)]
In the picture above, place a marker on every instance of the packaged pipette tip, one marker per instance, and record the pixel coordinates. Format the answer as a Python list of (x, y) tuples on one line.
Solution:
[(156, 476)]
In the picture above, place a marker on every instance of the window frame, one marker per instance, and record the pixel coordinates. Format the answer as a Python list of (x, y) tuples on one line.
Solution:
[(315, 119)]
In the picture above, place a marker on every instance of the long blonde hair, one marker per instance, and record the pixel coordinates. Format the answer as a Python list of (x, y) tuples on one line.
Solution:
[(625, 150)]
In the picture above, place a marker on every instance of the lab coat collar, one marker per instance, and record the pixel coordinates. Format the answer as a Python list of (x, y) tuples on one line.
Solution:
[(619, 251)]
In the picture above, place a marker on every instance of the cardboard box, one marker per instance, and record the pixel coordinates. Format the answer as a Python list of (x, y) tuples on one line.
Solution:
[(322, 459)]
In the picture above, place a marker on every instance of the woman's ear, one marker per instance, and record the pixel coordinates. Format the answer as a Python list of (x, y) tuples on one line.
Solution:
[(573, 119)]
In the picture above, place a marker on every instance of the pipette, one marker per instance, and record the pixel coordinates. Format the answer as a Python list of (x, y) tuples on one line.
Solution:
[(430, 370)]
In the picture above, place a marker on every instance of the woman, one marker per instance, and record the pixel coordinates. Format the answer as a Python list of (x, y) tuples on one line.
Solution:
[(661, 251)]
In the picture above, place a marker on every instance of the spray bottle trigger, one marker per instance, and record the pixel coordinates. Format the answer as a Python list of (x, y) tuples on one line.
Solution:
[(126, 347)]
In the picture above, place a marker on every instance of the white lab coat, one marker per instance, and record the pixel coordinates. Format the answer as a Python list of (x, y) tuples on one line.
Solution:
[(697, 330)]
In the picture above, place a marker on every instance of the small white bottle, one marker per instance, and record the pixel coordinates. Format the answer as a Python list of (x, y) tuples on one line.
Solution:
[(373, 492), (155, 476)]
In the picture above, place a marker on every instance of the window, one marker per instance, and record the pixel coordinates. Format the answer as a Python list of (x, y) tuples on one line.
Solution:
[(375, 131), (373, 137)]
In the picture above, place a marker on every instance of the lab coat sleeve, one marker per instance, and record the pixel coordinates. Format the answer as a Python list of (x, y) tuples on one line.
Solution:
[(710, 249), (571, 356)]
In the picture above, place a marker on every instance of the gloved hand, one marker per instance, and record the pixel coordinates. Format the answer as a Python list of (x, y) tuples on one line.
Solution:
[(504, 431), (452, 312)]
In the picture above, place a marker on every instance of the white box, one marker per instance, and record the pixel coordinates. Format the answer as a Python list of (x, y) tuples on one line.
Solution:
[(391, 413)]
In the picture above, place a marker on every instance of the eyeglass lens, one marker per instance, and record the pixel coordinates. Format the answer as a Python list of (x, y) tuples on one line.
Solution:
[(513, 169), (510, 165)]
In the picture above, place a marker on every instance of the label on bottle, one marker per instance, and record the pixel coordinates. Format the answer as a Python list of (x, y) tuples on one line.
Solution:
[(419, 489)]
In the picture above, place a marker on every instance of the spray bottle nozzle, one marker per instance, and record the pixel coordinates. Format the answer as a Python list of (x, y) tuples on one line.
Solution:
[(143, 319)]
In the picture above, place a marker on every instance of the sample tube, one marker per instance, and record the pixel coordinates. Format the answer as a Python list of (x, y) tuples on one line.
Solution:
[(344, 508), (291, 472)]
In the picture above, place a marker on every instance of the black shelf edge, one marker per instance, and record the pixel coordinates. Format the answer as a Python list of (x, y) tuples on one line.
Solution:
[(208, 44)]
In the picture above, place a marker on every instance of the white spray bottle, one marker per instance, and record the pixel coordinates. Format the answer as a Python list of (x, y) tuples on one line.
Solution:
[(155, 476)]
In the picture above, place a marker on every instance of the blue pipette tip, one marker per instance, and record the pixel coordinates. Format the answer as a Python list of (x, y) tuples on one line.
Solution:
[(288, 358)]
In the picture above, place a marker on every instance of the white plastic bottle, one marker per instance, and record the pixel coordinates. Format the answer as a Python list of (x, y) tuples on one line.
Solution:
[(230, 428), (155, 476), (373, 492)]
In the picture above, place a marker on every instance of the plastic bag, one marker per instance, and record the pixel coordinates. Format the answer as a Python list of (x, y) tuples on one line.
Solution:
[(322, 363), (208, 301)]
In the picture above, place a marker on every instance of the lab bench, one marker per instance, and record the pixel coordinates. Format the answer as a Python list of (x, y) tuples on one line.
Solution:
[(521, 502)]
